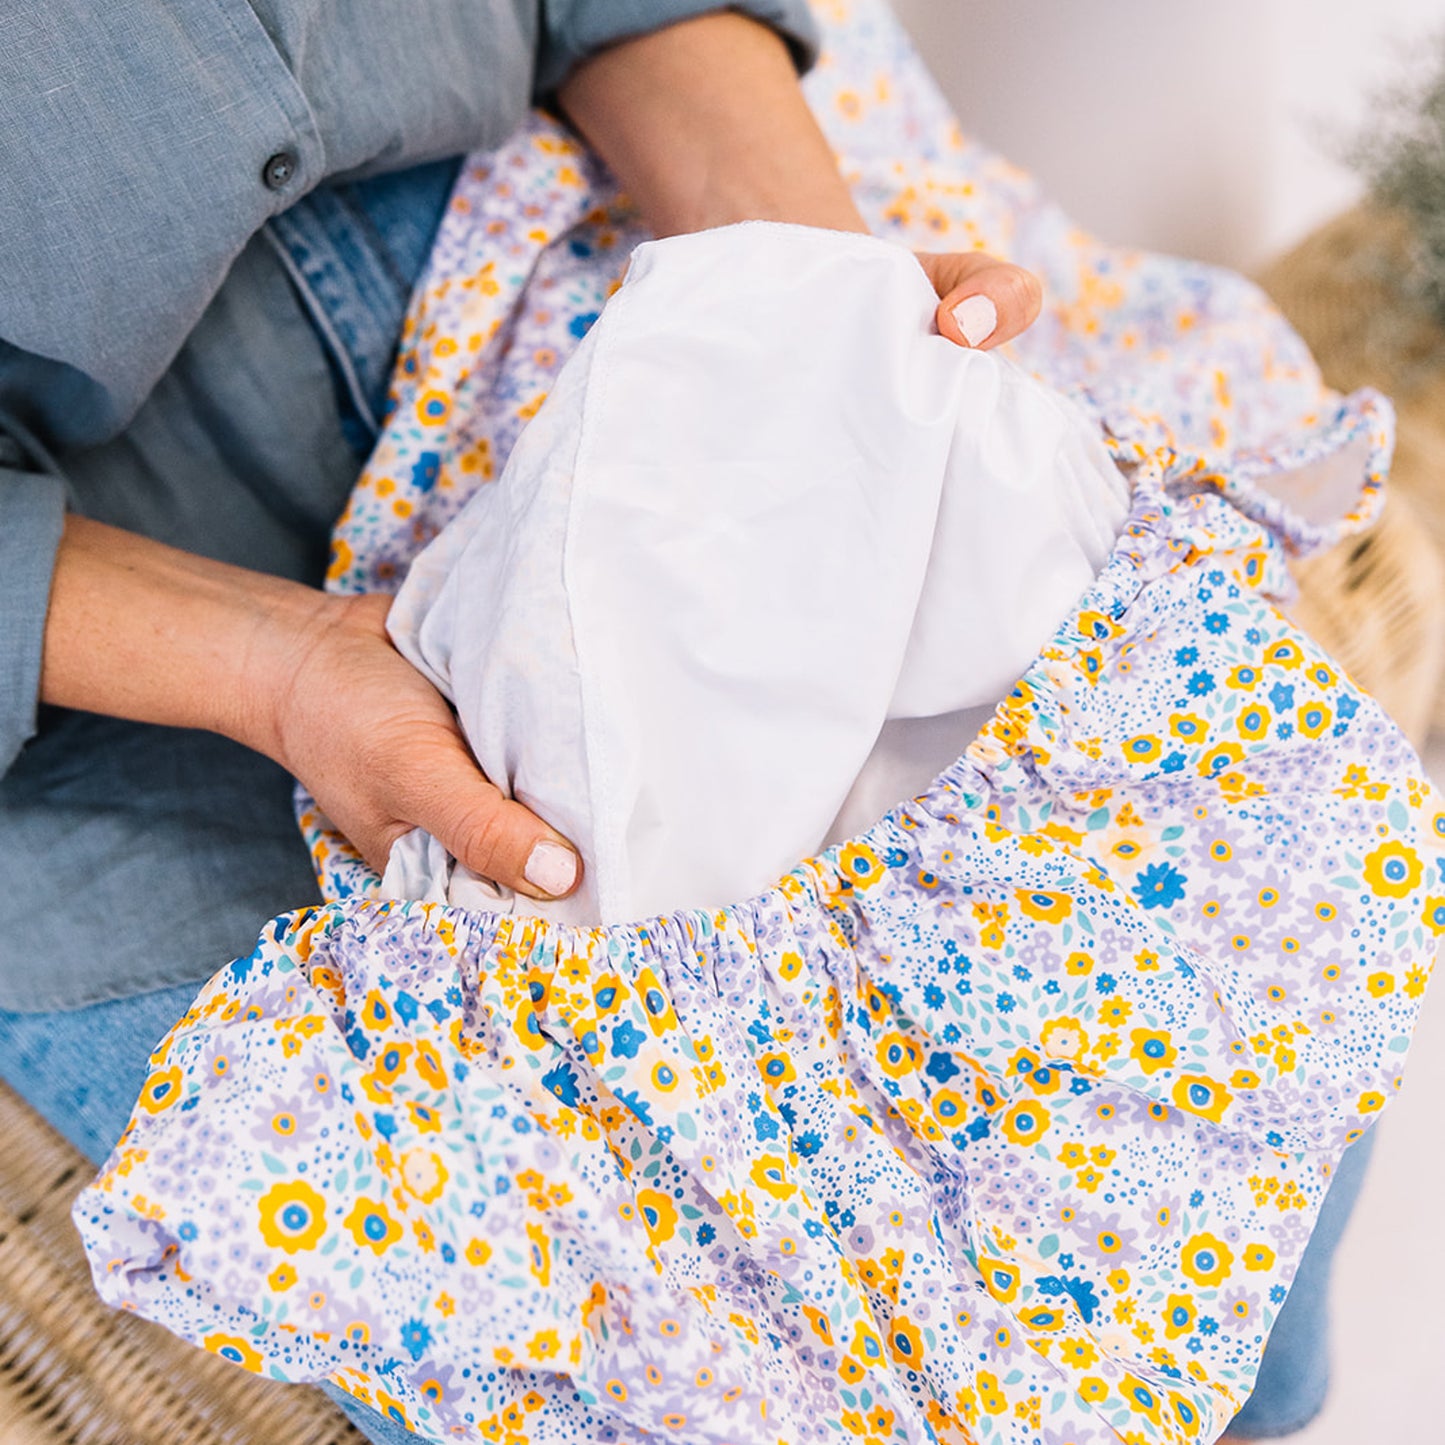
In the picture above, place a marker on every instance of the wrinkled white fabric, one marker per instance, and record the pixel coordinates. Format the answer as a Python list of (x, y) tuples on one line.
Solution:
[(765, 511)]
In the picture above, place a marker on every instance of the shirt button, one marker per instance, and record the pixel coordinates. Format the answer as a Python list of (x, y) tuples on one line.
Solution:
[(279, 171)]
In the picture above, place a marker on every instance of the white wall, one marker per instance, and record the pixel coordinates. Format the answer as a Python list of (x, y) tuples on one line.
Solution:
[(1197, 128)]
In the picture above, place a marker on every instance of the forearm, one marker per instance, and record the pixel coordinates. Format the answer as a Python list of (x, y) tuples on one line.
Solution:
[(140, 630), (704, 124)]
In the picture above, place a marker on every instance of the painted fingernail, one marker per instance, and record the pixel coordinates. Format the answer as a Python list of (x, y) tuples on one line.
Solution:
[(977, 318), (552, 868)]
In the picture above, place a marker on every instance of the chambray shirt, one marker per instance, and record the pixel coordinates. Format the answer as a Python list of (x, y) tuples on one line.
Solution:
[(146, 145)]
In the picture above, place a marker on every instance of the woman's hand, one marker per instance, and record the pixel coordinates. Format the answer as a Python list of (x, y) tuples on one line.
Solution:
[(392, 757), (140, 630), (704, 124), (982, 302)]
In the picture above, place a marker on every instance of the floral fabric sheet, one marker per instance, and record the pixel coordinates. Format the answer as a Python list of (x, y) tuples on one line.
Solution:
[(1006, 1121)]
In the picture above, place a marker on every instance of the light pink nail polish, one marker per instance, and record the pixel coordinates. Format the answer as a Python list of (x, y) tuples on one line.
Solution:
[(552, 868), (977, 318)]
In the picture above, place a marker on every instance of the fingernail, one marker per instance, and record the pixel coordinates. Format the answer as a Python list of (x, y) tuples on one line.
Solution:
[(552, 868), (977, 318)]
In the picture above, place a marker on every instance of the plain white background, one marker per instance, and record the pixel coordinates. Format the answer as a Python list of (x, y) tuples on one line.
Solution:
[(1202, 129), (1208, 130)]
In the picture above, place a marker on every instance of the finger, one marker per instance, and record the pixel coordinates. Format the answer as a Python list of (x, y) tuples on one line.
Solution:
[(493, 835), (984, 303)]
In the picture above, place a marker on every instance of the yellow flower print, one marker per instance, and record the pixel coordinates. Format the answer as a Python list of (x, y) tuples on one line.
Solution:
[(433, 408), (1026, 1122), (1115, 1010), (950, 1108), (424, 1174), (375, 1011), (1434, 915), (372, 1226), (1093, 1389), (1000, 1278), (897, 1055), (989, 1395), (1142, 748), (293, 1216), (655, 1003), (1206, 1260), (392, 1063), (1220, 757), (1077, 963), (790, 965), (608, 995), (1415, 979), (860, 865), (1313, 719), (1284, 653), (1185, 1413), (1243, 677), (1152, 1049), (162, 1089), (478, 1252), (1064, 1038), (1043, 906), (1370, 1102), (1077, 1354), (658, 1213), (777, 1068), (769, 1173), (1097, 626), (342, 559), (1141, 1398), (1179, 1315), (1254, 722), (544, 1345), (424, 1117), (1206, 1097), (1043, 1320), (429, 1067), (539, 1255), (1392, 870), (1380, 984), (1187, 726), (905, 1343), (236, 1350), (282, 1277), (1258, 1256)]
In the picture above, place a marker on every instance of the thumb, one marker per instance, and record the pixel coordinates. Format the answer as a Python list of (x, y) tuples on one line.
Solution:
[(493, 835), (983, 302)]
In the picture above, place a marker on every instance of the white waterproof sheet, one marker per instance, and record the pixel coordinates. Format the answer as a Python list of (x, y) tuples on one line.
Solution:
[(757, 569)]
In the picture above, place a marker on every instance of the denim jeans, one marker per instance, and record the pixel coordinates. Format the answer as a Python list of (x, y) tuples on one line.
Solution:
[(352, 254)]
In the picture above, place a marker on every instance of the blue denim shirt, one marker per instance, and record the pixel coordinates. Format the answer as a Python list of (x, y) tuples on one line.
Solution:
[(149, 144)]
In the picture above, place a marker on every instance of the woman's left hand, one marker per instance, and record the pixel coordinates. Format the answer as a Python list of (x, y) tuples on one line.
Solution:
[(704, 124), (982, 302)]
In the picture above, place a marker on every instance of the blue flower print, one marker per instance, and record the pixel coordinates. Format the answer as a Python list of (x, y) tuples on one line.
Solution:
[(1160, 886), (627, 1038)]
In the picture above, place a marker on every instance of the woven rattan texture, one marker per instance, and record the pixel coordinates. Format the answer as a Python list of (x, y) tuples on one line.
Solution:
[(1377, 602), (72, 1371)]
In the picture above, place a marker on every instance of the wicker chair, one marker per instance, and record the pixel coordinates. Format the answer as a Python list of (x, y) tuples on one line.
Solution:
[(71, 1371)]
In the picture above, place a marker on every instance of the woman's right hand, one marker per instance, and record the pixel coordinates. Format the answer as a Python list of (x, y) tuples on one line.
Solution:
[(140, 630), (393, 758)]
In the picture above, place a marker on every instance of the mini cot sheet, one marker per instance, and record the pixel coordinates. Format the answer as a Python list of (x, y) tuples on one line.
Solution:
[(1006, 1120)]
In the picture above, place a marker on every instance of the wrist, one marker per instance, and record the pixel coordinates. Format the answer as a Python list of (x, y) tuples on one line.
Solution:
[(139, 630)]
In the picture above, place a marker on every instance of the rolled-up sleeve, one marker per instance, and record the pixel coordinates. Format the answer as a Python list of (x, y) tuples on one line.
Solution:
[(32, 513), (574, 29)]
